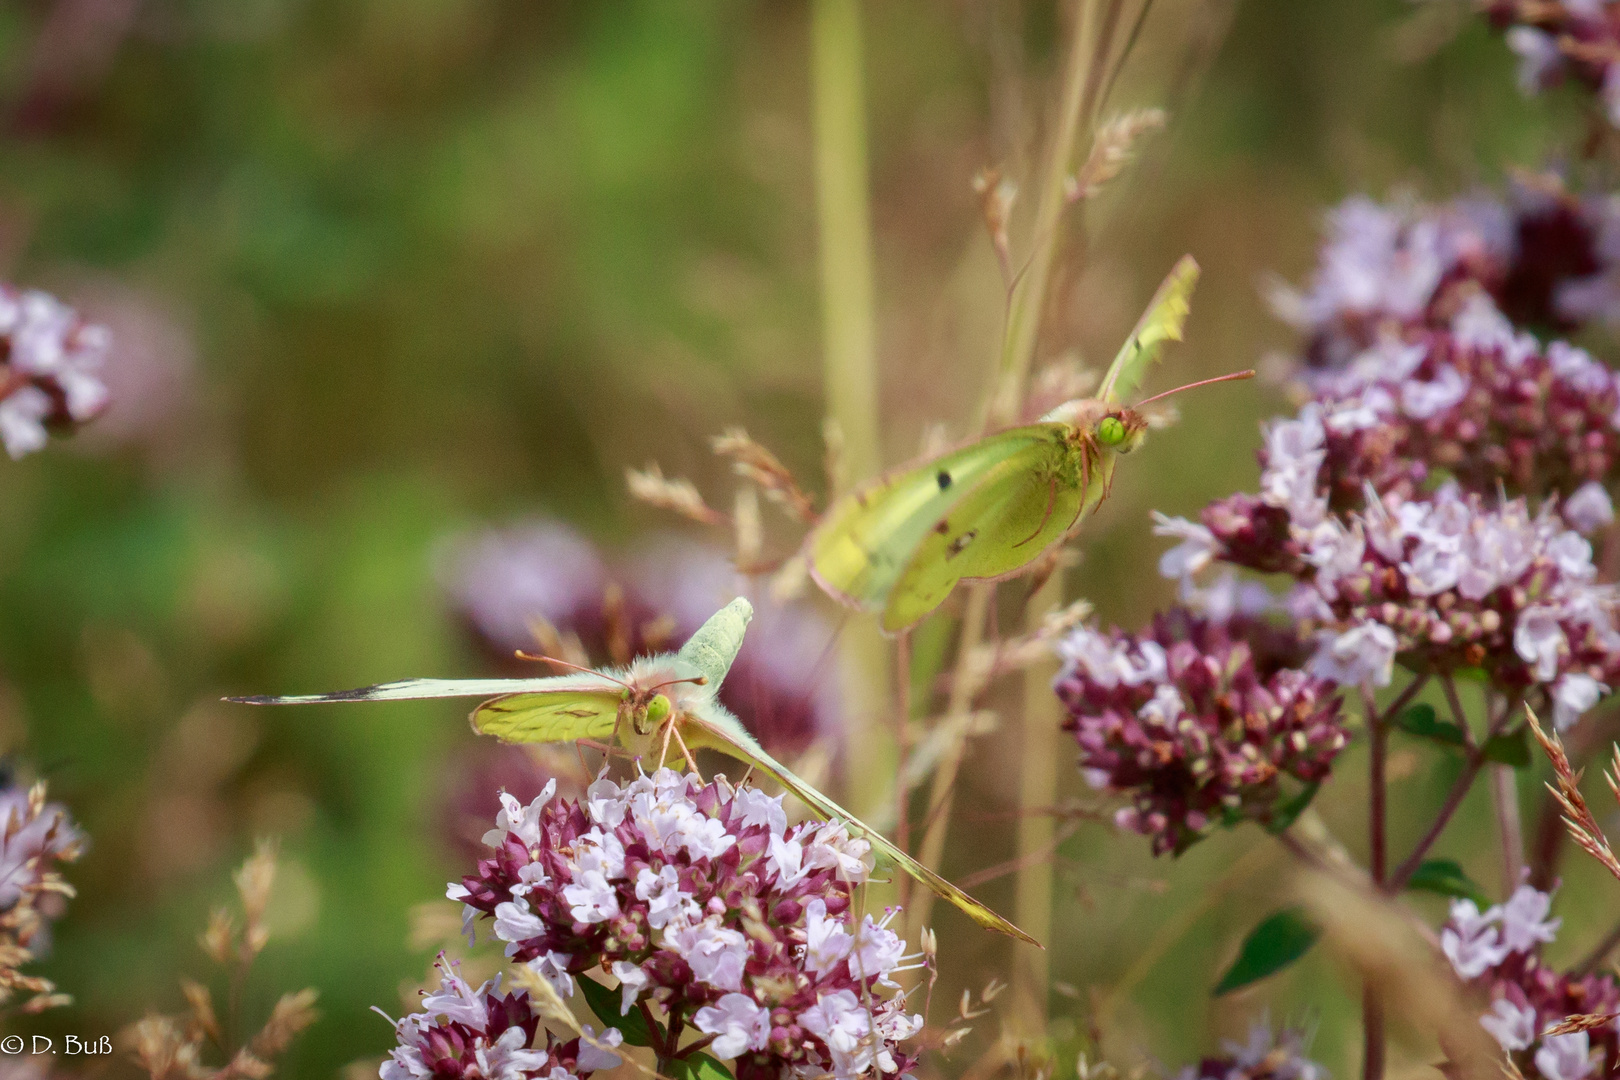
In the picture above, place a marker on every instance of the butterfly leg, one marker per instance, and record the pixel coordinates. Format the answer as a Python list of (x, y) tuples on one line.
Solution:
[(691, 762), (606, 748), (663, 748)]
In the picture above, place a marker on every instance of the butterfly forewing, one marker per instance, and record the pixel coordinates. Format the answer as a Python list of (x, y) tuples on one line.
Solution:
[(1163, 321), (419, 689)]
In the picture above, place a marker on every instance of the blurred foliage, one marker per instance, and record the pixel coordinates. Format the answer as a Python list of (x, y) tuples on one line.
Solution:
[(447, 261)]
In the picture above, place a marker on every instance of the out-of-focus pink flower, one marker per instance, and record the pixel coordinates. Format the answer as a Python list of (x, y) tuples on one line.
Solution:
[(1267, 1055), (505, 583), (50, 365)]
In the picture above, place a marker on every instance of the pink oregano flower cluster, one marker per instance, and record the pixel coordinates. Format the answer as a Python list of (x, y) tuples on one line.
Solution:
[(1499, 951), (1565, 40), (1543, 256), (701, 901), (1446, 582), (1200, 721), (467, 1034), (49, 364), (1478, 402)]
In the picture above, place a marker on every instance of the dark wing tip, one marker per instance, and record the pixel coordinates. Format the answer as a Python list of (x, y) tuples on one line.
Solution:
[(364, 693)]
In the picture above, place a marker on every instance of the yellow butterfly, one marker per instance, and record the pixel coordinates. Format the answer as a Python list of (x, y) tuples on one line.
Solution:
[(899, 544), (646, 704)]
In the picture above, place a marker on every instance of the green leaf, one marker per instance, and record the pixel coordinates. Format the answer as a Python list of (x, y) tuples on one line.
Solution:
[(1420, 720), (1281, 938), (1509, 748), (605, 1004), (1287, 810), (699, 1066), (1446, 877)]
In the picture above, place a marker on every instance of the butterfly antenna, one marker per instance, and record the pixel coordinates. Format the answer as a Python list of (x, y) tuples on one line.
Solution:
[(696, 680), (521, 655), (1235, 376)]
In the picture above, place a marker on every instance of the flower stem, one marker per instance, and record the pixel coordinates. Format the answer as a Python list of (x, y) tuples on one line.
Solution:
[(1372, 1005), (1599, 954), (1505, 794), (1454, 798), (849, 347), (1378, 743), (1372, 1026)]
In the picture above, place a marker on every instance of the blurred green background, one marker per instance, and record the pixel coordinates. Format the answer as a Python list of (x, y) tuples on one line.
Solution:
[(381, 270)]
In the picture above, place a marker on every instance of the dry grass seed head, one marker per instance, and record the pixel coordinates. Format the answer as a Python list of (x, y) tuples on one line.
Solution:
[(1566, 789), (678, 496), (1112, 149), (754, 462)]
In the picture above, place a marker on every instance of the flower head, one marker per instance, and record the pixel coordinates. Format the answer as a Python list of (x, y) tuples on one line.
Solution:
[(1445, 582), (467, 1034), (1499, 951), (1197, 721), (49, 365), (702, 901)]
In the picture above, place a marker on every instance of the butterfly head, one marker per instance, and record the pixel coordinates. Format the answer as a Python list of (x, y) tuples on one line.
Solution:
[(645, 718), (1120, 430), (1106, 425)]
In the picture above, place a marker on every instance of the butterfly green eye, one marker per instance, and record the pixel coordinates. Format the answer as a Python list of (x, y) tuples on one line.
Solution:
[(657, 709), (1110, 431)]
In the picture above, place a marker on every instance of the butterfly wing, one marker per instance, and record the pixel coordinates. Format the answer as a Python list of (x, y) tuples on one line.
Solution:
[(1163, 321), (557, 709), (712, 650), (549, 716), (416, 689), (1042, 482), (865, 540), (719, 730)]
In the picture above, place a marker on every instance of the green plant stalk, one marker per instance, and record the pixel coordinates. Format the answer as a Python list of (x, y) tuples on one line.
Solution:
[(1039, 753), (1027, 302), (942, 790), (1025, 305), (849, 351)]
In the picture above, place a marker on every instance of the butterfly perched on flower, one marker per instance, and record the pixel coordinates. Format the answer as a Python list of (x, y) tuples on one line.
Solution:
[(652, 707)]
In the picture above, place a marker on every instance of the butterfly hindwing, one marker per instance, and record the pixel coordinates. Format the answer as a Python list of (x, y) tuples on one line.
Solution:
[(549, 716), (720, 731), (1163, 321), (866, 539), (1029, 501)]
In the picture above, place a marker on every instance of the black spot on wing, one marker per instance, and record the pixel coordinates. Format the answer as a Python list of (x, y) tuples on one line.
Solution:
[(944, 479)]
